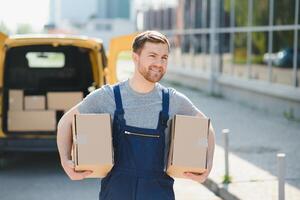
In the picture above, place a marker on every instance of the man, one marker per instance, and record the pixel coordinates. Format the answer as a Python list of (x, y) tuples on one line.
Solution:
[(141, 108)]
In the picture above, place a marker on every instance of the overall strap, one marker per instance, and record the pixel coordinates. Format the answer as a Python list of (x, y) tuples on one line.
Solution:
[(119, 112), (118, 100), (164, 114), (165, 101)]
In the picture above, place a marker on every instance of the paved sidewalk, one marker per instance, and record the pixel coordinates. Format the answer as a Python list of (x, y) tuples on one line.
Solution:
[(190, 190), (255, 139)]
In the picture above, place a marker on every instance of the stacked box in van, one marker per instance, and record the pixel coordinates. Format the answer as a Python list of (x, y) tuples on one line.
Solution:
[(38, 112)]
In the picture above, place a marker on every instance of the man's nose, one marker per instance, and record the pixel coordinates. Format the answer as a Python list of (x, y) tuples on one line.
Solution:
[(159, 62)]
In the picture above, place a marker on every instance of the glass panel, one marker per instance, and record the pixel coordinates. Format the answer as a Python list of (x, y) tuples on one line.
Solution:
[(299, 14), (45, 59), (202, 55), (241, 13), (175, 54), (225, 13), (198, 14), (298, 62), (185, 49), (283, 57), (259, 49), (260, 12), (284, 12), (226, 61), (240, 55)]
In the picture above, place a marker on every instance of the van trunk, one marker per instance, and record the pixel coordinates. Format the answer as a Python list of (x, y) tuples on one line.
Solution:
[(30, 73)]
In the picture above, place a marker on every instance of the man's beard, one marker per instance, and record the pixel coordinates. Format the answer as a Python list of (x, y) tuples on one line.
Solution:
[(153, 74)]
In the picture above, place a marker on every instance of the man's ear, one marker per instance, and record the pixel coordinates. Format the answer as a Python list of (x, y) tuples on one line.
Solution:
[(135, 57)]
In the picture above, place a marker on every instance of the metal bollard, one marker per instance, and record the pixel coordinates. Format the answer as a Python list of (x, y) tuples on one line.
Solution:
[(281, 175), (225, 133)]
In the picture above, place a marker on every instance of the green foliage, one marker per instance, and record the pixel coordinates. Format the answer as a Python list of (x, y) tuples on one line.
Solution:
[(289, 114), (284, 12), (259, 45), (4, 28), (216, 95), (125, 55), (227, 179), (240, 57), (24, 28)]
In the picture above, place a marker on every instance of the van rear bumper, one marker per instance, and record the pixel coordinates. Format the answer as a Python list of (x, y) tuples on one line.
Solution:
[(28, 144)]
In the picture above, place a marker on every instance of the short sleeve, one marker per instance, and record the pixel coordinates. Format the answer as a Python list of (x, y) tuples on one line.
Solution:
[(183, 105), (96, 102)]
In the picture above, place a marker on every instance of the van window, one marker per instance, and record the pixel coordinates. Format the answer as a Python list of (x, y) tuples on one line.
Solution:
[(45, 59), (48, 68)]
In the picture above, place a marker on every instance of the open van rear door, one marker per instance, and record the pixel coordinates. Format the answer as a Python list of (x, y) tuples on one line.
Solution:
[(3, 37), (116, 46)]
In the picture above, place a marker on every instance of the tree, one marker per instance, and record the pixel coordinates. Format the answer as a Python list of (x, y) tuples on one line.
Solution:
[(4, 28), (24, 28)]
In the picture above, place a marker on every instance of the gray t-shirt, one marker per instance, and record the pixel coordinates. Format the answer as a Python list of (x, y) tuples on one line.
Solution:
[(141, 109)]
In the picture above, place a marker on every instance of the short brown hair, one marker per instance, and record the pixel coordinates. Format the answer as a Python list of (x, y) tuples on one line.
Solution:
[(148, 36)]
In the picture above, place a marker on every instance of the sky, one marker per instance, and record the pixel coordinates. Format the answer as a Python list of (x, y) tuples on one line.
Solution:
[(36, 12), (33, 12)]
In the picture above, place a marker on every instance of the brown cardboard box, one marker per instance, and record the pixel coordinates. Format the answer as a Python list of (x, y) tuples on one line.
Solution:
[(35, 102), (63, 100), (31, 120), (15, 99), (92, 144), (188, 148)]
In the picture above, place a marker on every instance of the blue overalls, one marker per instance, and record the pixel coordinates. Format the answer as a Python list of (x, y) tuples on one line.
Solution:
[(138, 172)]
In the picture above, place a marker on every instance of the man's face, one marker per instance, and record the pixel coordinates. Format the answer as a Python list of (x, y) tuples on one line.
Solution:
[(152, 61)]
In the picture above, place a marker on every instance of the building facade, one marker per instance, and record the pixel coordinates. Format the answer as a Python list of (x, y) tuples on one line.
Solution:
[(227, 46)]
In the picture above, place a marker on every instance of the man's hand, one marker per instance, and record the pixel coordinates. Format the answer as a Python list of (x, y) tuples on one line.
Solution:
[(69, 168), (196, 176)]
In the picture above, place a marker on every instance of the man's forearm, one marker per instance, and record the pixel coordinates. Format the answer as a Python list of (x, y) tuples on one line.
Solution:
[(64, 139), (64, 144), (64, 134)]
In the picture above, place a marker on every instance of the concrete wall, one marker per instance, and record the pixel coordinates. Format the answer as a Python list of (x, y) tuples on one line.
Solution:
[(273, 98)]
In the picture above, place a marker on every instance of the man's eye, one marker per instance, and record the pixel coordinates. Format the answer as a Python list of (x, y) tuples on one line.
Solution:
[(152, 56)]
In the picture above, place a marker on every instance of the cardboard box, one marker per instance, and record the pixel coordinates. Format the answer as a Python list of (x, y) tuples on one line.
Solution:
[(35, 102), (63, 100), (188, 147), (31, 120), (15, 98), (92, 144)]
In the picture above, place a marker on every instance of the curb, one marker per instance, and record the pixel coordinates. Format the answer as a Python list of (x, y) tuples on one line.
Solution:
[(220, 190)]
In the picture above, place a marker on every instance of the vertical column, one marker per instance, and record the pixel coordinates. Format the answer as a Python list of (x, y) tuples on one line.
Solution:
[(57, 12), (192, 36), (232, 34), (295, 78), (204, 36), (165, 15), (281, 175), (249, 38), (225, 133), (214, 47), (270, 38)]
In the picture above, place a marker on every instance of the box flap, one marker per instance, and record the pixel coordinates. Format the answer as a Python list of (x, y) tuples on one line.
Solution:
[(171, 142), (74, 145), (208, 125)]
